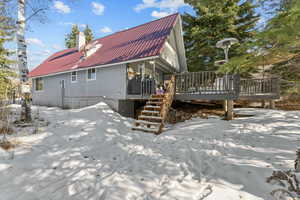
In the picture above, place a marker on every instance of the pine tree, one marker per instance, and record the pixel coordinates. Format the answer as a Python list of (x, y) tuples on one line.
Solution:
[(276, 44), (281, 36), (88, 34), (213, 21), (6, 35), (70, 40)]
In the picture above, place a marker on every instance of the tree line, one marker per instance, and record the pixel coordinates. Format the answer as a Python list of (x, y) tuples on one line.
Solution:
[(267, 30)]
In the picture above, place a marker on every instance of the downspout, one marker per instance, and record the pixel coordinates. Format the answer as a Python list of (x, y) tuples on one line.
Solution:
[(126, 85)]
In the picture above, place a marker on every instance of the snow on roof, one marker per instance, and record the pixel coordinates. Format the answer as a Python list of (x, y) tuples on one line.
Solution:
[(139, 42)]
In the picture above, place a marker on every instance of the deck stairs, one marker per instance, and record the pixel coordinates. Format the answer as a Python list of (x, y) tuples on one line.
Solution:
[(153, 116)]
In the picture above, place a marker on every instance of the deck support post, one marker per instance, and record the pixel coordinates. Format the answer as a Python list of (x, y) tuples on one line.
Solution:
[(225, 106), (263, 103), (229, 113), (272, 104)]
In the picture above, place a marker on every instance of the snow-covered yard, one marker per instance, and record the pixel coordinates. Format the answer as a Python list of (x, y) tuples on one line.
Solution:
[(92, 153)]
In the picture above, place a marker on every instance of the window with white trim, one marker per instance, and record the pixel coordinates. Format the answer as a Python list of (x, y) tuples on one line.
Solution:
[(91, 74), (39, 84), (73, 77)]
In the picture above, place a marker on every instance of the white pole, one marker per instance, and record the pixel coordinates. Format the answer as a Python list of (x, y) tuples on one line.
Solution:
[(226, 51)]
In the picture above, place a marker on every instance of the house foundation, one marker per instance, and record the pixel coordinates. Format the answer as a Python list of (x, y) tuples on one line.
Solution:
[(126, 108)]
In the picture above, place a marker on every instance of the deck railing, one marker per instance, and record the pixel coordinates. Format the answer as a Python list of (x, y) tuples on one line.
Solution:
[(206, 83), (141, 87), (148, 87), (259, 87), (212, 86)]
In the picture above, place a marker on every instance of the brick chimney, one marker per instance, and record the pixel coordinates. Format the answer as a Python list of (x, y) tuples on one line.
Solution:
[(80, 41)]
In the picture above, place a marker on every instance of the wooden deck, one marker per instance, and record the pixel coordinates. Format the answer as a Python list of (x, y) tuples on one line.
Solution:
[(202, 86), (212, 86)]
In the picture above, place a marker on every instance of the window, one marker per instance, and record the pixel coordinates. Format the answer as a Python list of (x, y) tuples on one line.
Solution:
[(91, 74), (73, 77), (39, 84), (170, 55)]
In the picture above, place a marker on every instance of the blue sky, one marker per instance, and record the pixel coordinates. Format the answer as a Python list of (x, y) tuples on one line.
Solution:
[(103, 16)]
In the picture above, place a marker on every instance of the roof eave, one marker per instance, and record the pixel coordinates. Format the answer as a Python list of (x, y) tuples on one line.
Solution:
[(98, 66)]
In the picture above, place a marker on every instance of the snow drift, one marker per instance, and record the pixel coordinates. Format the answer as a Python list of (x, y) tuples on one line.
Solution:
[(92, 153)]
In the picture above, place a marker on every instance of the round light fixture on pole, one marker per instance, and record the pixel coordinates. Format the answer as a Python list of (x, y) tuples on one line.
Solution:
[(225, 44)]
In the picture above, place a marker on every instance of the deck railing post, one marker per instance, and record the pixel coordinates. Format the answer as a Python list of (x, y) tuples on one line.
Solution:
[(142, 85)]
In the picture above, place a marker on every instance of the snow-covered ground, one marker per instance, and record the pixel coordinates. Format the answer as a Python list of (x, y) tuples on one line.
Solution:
[(92, 153)]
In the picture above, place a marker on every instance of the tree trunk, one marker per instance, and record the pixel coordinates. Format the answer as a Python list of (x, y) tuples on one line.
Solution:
[(22, 60)]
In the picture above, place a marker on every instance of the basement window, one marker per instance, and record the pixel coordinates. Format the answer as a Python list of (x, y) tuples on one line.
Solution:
[(73, 77), (39, 84), (91, 74)]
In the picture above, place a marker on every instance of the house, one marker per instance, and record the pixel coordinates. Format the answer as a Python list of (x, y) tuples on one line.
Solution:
[(119, 69), (125, 68)]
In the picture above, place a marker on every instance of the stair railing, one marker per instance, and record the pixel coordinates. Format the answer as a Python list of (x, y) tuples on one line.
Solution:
[(167, 101)]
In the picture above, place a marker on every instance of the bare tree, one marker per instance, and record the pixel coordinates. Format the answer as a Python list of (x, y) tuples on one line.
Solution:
[(22, 60), (36, 9), (288, 182)]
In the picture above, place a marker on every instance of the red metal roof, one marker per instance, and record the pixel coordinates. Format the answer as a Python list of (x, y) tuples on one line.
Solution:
[(139, 42)]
